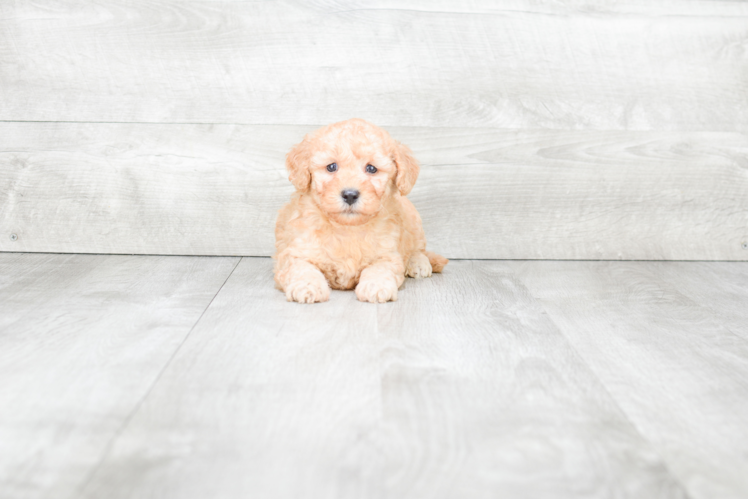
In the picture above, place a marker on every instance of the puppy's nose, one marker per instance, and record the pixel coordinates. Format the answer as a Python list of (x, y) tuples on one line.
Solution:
[(350, 195)]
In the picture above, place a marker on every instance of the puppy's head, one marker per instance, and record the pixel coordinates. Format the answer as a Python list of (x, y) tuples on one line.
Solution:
[(350, 168)]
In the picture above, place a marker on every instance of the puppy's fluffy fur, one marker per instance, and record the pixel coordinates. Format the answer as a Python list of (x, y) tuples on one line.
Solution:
[(322, 241)]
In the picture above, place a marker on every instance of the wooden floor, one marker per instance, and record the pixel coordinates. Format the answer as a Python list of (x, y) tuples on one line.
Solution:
[(149, 376)]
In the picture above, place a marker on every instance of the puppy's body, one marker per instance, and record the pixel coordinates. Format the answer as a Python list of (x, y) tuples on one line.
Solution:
[(341, 252), (372, 240)]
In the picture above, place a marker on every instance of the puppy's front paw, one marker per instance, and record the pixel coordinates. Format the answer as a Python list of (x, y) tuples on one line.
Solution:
[(377, 290), (418, 266), (308, 292)]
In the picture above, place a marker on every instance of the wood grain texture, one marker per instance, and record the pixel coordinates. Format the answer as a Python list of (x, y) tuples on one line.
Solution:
[(461, 388), (484, 397), (266, 399), (719, 289), (489, 193), (82, 339), (153, 189), (674, 360), (493, 379), (632, 65)]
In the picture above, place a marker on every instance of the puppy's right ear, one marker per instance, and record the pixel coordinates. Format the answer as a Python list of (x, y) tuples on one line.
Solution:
[(297, 163)]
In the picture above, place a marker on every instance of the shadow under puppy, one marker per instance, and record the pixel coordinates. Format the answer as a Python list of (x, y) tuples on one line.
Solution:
[(349, 223)]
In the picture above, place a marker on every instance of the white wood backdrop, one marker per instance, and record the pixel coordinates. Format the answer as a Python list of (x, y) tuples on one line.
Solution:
[(556, 130)]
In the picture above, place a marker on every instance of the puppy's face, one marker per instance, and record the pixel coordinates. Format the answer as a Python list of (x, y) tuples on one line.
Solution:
[(351, 174), (350, 168)]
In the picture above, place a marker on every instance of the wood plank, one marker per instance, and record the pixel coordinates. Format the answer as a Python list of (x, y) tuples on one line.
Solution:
[(82, 339), (675, 367), (488, 193), (718, 287), (484, 397), (146, 189), (265, 399), (461, 388), (631, 65)]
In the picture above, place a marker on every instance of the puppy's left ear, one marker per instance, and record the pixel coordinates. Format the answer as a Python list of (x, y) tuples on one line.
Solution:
[(407, 168), (297, 163)]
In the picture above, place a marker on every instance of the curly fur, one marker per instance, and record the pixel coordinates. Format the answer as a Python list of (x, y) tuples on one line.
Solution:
[(323, 242)]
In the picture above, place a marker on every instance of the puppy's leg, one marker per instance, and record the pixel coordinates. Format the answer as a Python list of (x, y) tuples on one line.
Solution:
[(302, 282), (379, 282), (418, 266)]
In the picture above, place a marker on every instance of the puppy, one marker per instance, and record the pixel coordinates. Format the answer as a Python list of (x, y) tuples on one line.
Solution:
[(349, 225)]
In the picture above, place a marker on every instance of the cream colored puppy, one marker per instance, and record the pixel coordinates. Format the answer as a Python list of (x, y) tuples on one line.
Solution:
[(349, 224)]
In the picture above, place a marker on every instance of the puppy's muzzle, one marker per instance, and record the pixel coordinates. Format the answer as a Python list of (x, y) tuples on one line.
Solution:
[(350, 196)]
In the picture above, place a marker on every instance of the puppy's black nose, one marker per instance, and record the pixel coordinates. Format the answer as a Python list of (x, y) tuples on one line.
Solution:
[(350, 195)]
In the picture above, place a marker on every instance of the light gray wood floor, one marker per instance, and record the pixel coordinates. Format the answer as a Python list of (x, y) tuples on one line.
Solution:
[(152, 376)]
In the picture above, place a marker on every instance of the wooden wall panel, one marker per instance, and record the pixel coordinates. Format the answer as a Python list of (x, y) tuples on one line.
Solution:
[(573, 130), (488, 193), (632, 65)]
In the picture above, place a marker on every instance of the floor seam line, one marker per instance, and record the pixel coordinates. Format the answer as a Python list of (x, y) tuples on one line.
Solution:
[(140, 402), (655, 449), (676, 478)]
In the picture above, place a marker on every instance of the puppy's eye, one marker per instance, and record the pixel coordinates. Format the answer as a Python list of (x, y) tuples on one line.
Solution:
[(332, 167), (371, 169)]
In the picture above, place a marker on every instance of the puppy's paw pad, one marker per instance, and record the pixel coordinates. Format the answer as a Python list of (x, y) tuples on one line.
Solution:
[(377, 292), (308, 293), (418, 267)]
